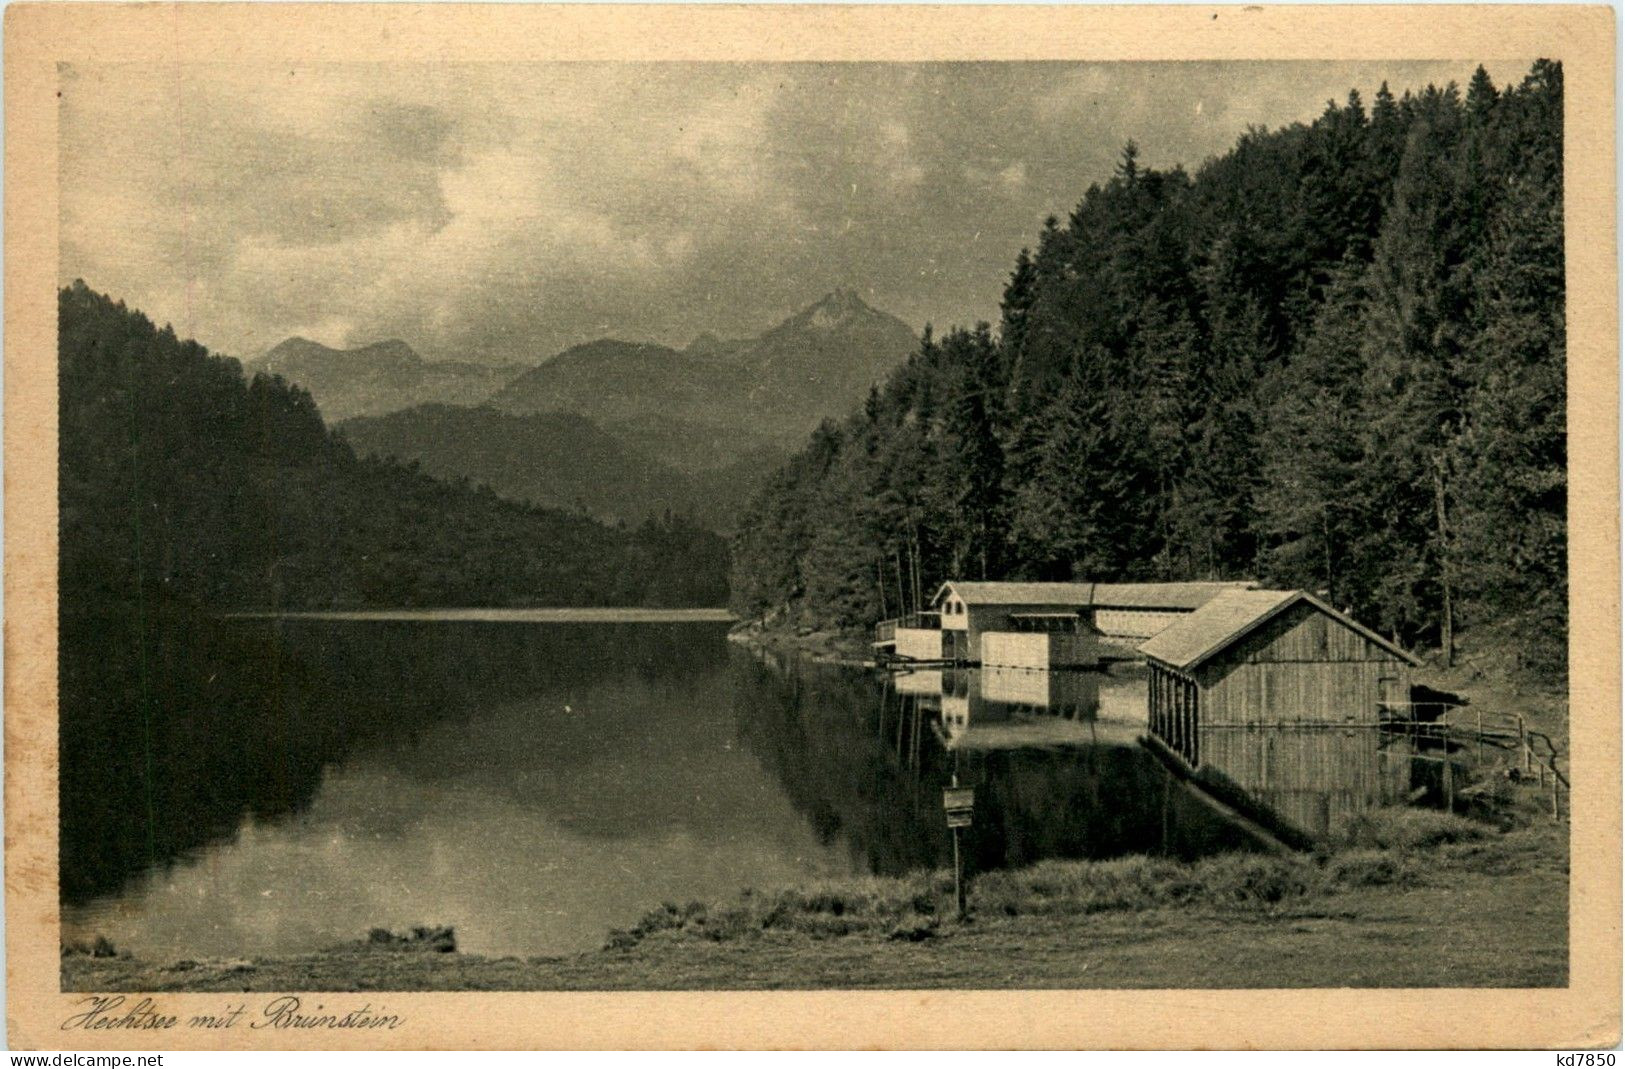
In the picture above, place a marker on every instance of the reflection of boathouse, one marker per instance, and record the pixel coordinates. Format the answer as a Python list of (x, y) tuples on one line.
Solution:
[(995, 708), (1281, 695)]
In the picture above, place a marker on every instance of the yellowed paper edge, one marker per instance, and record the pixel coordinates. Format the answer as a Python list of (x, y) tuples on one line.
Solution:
[(1587, 1013)]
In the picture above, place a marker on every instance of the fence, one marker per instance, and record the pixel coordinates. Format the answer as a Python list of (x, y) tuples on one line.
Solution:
[(1529, 754), (886, 630)]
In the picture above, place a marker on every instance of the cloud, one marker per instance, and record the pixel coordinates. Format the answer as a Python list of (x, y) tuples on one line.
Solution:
[(503, 212)]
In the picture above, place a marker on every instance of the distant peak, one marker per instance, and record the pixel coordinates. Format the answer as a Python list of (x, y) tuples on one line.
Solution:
[(836, 307), (297, 343), (844, 297), (392, 349)]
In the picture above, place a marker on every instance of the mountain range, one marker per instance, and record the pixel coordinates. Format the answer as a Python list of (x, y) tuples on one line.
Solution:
[(709, 404), (619, 429), (386, 376)]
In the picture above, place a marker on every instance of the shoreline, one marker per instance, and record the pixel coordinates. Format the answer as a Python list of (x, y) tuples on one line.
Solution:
[(1454, 903), (849, 648)]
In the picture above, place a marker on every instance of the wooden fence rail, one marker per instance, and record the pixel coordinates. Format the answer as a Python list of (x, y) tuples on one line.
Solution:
[(1460, 728)]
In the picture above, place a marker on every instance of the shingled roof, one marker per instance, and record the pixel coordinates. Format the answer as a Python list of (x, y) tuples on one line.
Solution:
[(1162, 595), (1099, 595), (1079, 594), (1189, 642)]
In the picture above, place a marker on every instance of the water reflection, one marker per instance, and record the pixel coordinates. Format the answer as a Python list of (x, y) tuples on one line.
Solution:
[(531, 785), (1009, 708), (1055, 761), (233, 787), (174, 729), (1310, 777)]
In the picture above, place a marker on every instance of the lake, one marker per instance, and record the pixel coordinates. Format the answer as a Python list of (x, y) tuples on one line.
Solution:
[(244, 786)]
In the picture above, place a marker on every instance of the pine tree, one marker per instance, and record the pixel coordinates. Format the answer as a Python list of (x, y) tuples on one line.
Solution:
[(1314, 495), (1069, 520)]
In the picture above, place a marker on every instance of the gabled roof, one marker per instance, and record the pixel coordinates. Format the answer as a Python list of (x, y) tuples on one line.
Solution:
[(1189, 642), (1085, 595)]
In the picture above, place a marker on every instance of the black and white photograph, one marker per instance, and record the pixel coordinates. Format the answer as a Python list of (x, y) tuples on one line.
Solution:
[(715, 526)]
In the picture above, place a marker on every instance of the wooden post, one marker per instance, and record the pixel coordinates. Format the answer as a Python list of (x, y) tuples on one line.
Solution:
[(1523, 743), (1478, 715), (959, 879), (1449, 781), (1557, 812), (959, 865)]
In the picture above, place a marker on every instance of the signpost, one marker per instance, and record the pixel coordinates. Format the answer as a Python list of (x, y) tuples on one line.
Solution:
[(957, 803)]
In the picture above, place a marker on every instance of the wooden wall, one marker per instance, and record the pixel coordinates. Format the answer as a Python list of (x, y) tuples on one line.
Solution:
[(1290, 714), (1304, 633), (1303, 667), (1040, 650), (1132, 624), (1297, 692), (919, 643), (1138, 624), (985, 618)]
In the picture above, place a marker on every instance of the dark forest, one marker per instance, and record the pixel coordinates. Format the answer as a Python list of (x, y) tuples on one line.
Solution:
[(183, 483)]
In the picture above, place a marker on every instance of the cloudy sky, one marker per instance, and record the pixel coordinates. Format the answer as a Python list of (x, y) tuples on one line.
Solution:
[(504, 212)]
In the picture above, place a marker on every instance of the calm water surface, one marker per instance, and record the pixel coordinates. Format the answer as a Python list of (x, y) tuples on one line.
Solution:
[(255, 786)]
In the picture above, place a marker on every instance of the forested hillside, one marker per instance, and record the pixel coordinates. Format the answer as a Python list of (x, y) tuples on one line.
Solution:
[(181, 480), (558, 459), (1332, 358)]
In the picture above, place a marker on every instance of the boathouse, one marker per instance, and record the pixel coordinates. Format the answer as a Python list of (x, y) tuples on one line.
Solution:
[(1041, 625), (974, 609), (1267, 659)]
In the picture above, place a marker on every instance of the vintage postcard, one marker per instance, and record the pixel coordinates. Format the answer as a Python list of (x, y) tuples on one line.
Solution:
[(811, 526)]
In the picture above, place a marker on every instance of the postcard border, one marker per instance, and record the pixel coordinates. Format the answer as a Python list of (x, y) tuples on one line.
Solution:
[(1587, 1013)]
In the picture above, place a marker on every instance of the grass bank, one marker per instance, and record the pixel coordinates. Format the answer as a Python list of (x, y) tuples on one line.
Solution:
[(1480, 675), (1408, 898)]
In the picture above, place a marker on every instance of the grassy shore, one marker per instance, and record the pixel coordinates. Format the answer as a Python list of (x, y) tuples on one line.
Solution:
[(1408, 898)]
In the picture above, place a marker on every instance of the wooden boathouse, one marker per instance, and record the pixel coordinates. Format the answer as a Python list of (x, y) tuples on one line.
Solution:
[(1282, 695), (1041, 625)]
